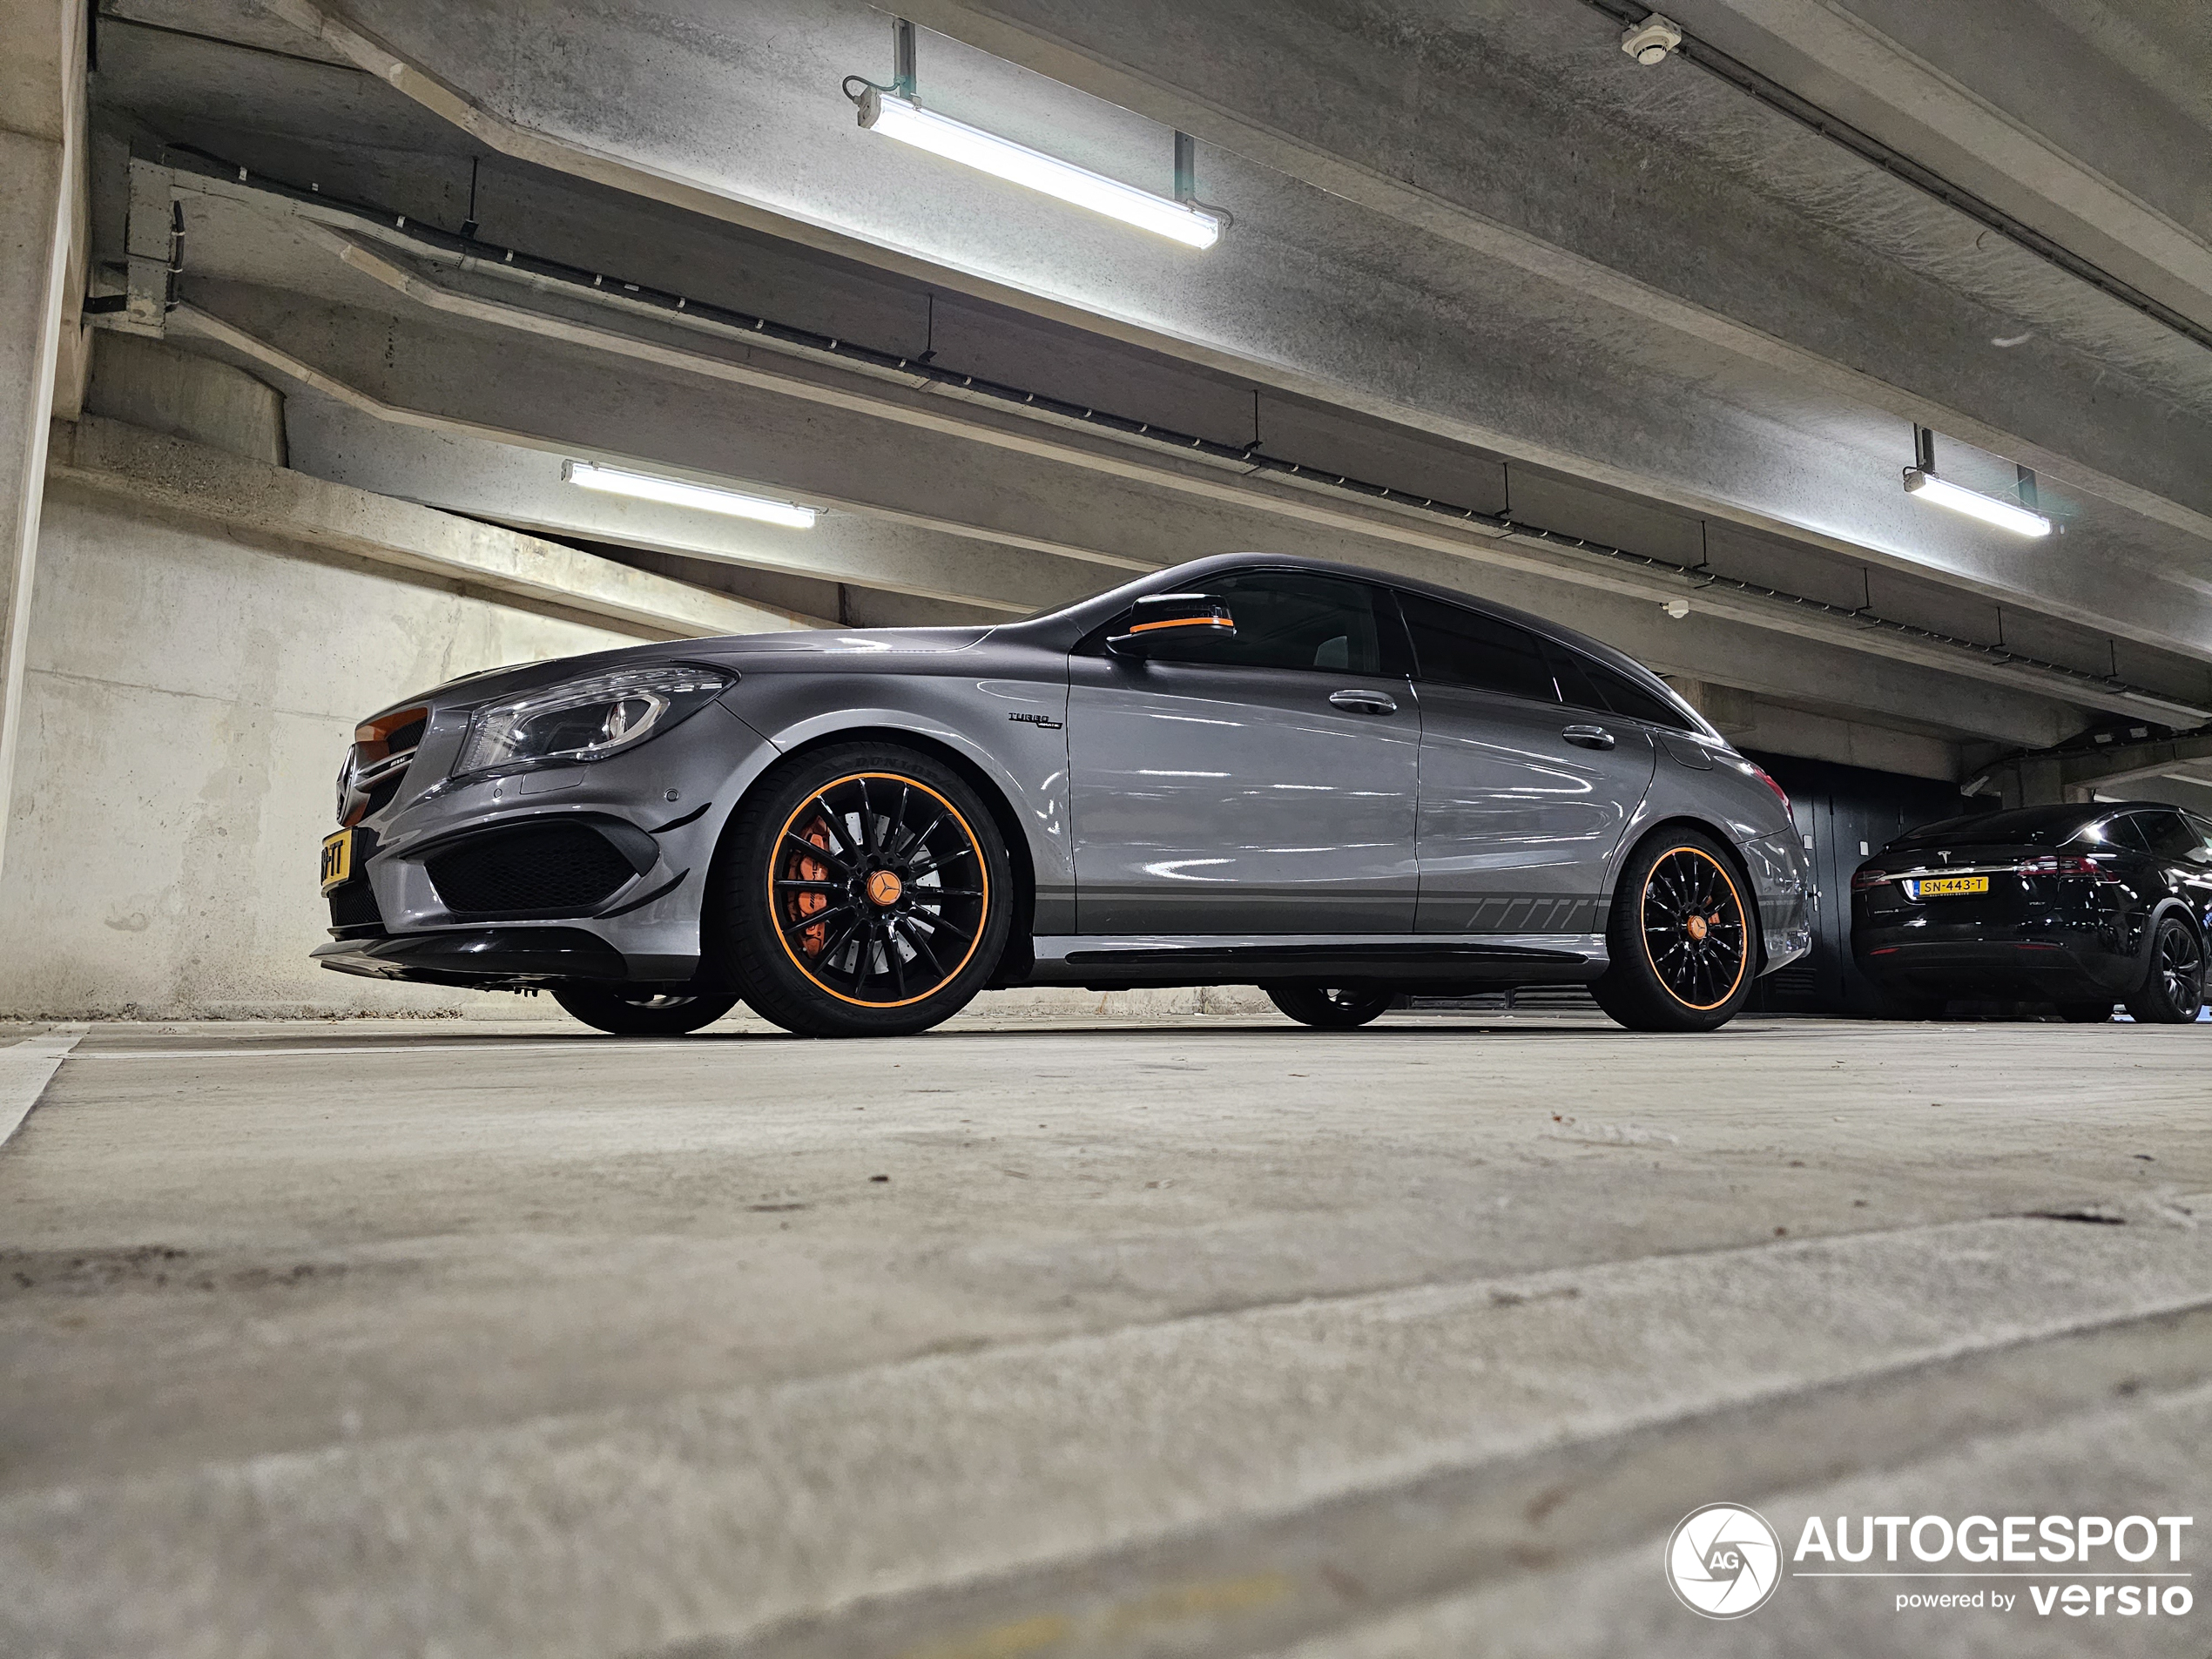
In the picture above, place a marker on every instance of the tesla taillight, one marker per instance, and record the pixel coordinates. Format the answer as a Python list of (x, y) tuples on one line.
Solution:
[(2064, 864), (1865, 878)]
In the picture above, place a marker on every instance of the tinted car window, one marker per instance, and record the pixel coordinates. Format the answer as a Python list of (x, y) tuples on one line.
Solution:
[(1570, 672), (1623, 696), (1291, 619), (2118, 831), (1459, 647), (2169, 836)]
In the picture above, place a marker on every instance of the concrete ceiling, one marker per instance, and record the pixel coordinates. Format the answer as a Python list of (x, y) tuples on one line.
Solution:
[(1479, 256)]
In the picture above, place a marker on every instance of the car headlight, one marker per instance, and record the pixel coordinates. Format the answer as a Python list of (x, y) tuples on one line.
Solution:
[(586, 719)]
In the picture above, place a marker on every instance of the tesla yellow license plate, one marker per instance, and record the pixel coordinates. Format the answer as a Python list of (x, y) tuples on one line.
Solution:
[(1949, 886), (337, 858)]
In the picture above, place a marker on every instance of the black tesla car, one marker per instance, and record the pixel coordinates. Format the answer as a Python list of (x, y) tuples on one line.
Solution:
[(2083, 905)]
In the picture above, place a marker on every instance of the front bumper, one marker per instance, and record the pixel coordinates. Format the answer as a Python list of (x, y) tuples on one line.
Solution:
[(660, 811)]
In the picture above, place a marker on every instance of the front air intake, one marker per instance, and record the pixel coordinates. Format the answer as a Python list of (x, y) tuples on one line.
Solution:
[(536, 870)]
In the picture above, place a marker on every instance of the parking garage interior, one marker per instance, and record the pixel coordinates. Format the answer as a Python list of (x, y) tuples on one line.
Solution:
[(350, 1315)]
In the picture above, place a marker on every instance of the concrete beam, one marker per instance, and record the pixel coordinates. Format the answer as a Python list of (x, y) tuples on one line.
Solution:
[(2104, 767), (477, 298), (42, 140), (150, 383), (1501, 130), (874, 449), (462, 473), (1457, 338), (2015, 103), (212, 486)]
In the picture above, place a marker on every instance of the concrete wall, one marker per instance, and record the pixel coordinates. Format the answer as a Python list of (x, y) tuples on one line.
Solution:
[(189, 689), (188, 695)]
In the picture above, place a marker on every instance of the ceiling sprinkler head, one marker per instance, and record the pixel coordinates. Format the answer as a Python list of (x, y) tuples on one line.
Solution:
[(1652, 41)]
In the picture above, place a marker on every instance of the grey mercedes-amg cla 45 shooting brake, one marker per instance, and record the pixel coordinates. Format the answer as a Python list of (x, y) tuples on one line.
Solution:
[(1336, 784)]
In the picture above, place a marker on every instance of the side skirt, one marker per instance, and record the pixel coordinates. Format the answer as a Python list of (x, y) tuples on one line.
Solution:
[(1112, 962)]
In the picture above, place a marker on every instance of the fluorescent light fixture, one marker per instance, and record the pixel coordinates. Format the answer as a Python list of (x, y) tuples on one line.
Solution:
[(616, 481), (2003, 514), (907, 121)]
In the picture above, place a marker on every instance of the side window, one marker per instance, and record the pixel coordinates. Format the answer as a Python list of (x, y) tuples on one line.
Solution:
[(2170, 837), (1623, 696), (1453, 646), (1571, 672), (2118, 832), (1293, 619), (2203, 833)]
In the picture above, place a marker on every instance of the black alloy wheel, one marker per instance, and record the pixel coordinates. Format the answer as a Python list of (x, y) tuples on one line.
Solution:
[(1328, 1008), (631, 1011), (1681, 938), (866, 893), (2174, 991)]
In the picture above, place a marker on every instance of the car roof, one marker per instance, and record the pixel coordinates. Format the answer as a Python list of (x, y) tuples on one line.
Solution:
[(2026, 823)]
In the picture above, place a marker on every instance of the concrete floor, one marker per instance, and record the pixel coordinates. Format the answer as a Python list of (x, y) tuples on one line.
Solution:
[(1201, 1336)]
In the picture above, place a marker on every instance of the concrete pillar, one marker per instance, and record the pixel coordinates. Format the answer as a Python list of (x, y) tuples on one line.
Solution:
[(42, 149)]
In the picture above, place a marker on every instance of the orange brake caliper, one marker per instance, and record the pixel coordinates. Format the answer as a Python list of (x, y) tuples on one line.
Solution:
[(813, 939)]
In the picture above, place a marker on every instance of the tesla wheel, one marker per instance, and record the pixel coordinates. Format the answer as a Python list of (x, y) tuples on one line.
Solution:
[(1682, 938), (2175, 989), (629, 1012), (1328, 1008), (864, 892), (2085, 1013)]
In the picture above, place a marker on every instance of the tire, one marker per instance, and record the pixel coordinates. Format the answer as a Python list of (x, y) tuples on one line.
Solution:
[(629, 1011), (1328, 1008), (1683, 936), (863, 891), (2174, 989), (2085, 1013)]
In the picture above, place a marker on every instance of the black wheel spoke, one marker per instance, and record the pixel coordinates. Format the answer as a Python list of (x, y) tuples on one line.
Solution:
[(832, 823), (869, 843), (798, 924), (894, 960), (920, 842), (915, 936), (815, 850)]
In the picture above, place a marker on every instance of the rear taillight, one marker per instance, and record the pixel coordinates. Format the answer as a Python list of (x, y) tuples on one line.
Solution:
[(1780, 793), (1866, 878), (2064, 864)]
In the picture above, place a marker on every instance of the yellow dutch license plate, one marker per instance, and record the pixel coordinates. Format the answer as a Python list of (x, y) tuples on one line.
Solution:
[(337, 858), (1951, 886)]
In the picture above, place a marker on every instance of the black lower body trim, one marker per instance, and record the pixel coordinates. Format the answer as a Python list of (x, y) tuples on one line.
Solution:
[(1396, 964), (486, 957)]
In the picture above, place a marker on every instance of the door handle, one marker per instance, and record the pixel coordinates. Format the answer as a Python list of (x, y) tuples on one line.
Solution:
[(1588, 737), (1364, 702)]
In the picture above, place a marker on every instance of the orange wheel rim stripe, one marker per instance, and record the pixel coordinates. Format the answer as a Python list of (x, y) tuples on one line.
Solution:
[(1744, 960), (982, 878)]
